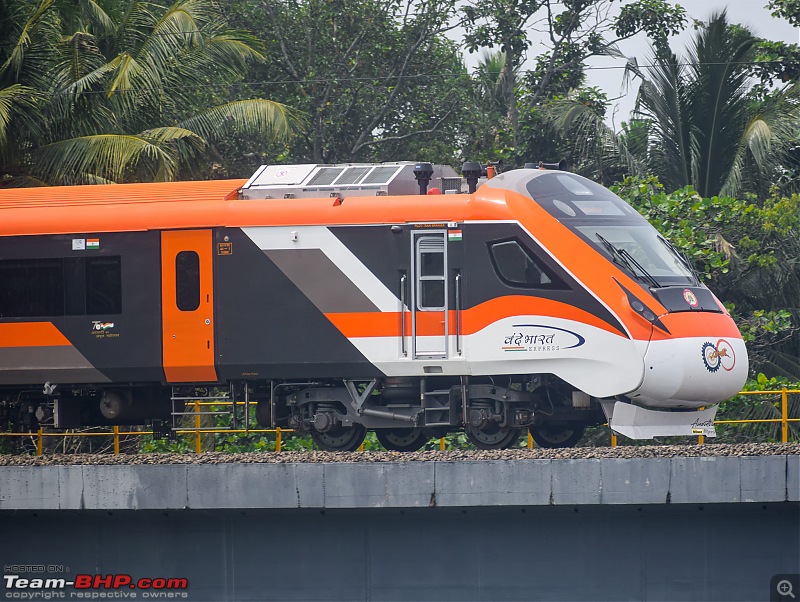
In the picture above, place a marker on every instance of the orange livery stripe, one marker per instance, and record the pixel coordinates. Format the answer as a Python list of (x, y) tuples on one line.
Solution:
[(387, 324), (31, 334)]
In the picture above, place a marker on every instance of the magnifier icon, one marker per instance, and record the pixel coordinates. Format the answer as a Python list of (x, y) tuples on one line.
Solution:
[(784, 588)]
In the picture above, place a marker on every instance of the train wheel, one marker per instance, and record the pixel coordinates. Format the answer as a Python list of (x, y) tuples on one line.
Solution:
[(492, 436), (403, 440), (556, 435), (340, 438)]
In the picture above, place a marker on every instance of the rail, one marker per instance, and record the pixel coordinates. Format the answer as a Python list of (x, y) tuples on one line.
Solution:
[(197, 431)]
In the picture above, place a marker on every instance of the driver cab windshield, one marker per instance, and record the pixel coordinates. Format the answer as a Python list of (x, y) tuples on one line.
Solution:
[(602, 218)]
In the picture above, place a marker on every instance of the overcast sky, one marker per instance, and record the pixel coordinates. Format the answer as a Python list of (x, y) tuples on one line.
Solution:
[(751, 13)]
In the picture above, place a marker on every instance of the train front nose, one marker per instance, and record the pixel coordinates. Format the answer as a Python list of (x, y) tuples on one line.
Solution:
[(701, 361)]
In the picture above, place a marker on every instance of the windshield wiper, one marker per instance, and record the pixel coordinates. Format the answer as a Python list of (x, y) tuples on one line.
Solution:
[(682, 257), (625, 259)]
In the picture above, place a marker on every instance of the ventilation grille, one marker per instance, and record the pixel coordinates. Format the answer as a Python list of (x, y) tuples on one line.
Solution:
[(325, 176), (352, 175), (380, 175)]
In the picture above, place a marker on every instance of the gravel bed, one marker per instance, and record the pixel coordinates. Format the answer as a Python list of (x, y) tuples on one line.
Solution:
[(291, 457)]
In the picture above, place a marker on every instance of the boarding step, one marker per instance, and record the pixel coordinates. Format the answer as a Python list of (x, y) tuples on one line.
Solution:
[(436, 408)]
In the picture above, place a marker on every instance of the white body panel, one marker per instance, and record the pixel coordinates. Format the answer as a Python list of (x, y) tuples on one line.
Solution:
[(640, 423), (692, 372), (602, 365)]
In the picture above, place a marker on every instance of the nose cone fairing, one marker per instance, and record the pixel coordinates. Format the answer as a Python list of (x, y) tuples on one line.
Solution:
[(692, 371)]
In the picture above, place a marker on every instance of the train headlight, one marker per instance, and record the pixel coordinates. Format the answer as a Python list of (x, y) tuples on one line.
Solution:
[(641, 309)]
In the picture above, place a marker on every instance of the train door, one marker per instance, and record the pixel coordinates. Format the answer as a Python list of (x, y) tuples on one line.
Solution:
[(429, 294), (187, 306)]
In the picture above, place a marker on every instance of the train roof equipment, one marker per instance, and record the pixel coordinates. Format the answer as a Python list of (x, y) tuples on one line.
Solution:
[(349, 179)]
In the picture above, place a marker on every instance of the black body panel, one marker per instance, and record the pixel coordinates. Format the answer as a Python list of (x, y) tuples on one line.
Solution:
[(384, 252), (266, 327), (130, 350), (480, 280), (674, 298)]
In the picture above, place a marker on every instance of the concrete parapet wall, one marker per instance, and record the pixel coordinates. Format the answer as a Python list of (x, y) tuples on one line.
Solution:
[(340, 485)]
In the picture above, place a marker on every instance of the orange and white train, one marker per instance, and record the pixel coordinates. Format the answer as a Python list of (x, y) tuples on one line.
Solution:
[(342, 298)]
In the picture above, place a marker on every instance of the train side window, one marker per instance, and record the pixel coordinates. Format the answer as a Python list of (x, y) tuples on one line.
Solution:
[(187, 280), (103, 285), (74, 286), (430, 273), (517, 267), (31, 288)]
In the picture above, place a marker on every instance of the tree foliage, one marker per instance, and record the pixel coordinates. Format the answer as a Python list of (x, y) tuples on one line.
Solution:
[(118, 91), (706, 127), (575, 31), (377, 80), (747, 252)]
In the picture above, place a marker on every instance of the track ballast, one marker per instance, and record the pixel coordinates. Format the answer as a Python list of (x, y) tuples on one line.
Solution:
[(299, 457)]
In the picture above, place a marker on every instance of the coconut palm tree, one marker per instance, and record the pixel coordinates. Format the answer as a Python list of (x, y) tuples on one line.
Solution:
[(596, 150), (495, 82), (92, 96), (706, 128)]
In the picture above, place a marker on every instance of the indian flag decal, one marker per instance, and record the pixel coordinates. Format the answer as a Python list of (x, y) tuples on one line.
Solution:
[(92, 243), (453, 235)]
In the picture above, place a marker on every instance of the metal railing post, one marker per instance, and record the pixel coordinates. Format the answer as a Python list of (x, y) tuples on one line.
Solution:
[(784, 416), (784, 419), (198, 444)]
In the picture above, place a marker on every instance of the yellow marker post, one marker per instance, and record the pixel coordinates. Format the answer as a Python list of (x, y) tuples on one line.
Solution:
[(701, 439), (116, 440), (39, 442), (530, 440), (441, 443), (784, 416), (278, 439), (613, 440)]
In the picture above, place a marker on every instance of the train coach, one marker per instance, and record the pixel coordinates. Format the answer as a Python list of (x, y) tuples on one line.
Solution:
[(348, 298)]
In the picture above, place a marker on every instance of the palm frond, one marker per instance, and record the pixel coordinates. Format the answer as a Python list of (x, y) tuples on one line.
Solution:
[(756, 141), (187, 144), (31, 46), (25, 39), (107, 156), (80, 64), (718, 56), (495, 79), (125, 69), (227, 54), (16, 101), (102, 24), (662, 100), (596, 143), (271, 119), (176, 30)]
